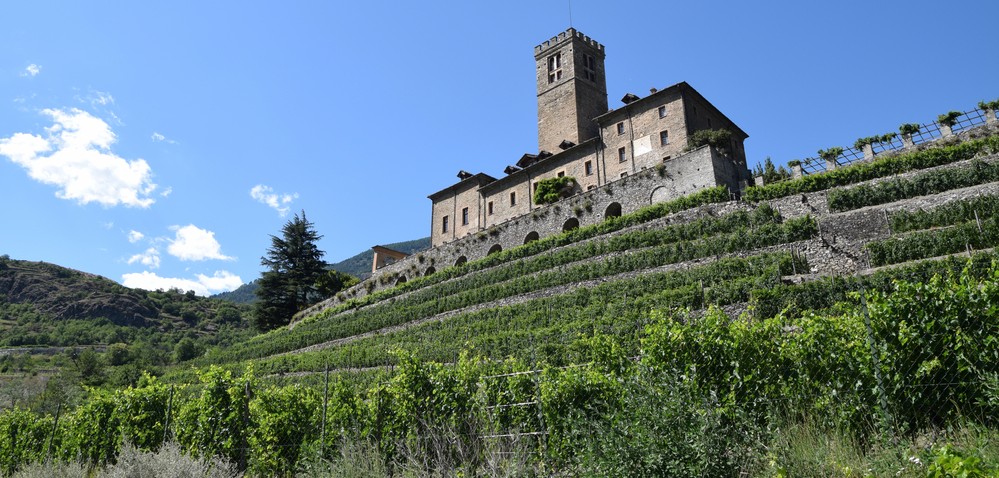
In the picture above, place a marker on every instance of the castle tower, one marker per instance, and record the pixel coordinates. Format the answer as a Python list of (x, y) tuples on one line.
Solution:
[(572, 89)]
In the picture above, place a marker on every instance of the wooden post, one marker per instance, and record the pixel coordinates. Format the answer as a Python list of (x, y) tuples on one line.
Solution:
[(326, 394), (166, 422)]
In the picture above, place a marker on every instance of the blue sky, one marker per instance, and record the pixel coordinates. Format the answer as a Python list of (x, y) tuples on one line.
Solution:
[(159, 144)]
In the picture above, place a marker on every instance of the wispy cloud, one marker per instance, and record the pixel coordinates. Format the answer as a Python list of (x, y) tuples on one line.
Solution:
[(159, 138), (75, 156), (150, 258), (32, 70), (280, 202), (202, 285), (192, 243)]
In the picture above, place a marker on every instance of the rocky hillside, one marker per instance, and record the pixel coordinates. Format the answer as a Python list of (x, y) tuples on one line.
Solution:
[(38, 298)]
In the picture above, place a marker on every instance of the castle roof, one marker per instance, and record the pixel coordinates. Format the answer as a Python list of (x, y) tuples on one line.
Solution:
[(477, 180), (682, 87), (541, 160)]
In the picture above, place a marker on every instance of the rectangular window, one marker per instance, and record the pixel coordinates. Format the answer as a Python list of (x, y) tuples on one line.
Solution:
[(662, 111), (489, 207), (555, 68), (620, 128), (464, 216), (664, 138), (622, 154), (590, 187), (588, 167), (624, 174), (589, 67), (444, 224), (561, 173), (709, 123), (667, 158), (513, 198)]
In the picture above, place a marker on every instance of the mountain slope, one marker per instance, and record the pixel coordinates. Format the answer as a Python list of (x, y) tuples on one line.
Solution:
[(360, 264)]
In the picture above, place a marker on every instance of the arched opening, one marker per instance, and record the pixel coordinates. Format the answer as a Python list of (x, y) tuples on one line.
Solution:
[(400, 281), (660, 194), (430, 270), (613, 210), (531, 237), (571, 224), (461, 260), (496, 248)]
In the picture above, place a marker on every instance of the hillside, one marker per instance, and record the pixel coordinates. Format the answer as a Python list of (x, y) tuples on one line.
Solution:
[(359, 265), (40, 302)]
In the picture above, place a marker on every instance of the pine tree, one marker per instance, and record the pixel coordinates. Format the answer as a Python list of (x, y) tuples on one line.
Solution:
[(294, 264)]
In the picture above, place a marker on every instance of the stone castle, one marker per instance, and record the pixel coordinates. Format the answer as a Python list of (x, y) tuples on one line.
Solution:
[(619, 160)]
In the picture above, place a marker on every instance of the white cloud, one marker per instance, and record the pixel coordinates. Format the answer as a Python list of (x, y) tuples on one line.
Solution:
[(159, 138), (101, 98), (166, 192), (278, 202), (76, 157), (32, 70), (202, 285), (150, 258), (135, 236), (195, 244)]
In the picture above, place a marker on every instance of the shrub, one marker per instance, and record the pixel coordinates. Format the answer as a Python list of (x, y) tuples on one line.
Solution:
[(932, 182), (551, 190), (909, 128), (830, 154), (720, 139), (988, 105), (949, 118)]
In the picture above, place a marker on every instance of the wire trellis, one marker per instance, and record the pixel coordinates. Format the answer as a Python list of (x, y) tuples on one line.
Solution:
[(927, 132)]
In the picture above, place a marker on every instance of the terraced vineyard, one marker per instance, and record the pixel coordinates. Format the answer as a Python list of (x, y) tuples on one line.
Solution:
[(709, 315)]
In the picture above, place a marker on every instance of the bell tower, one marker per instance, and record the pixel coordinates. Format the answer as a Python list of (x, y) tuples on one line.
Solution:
[(572, 89)]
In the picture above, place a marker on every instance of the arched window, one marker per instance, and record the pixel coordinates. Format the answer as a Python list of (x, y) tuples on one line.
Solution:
[(531, 237), (430, 270), (571, 224), (400, 281), (496, 248), (461, 260)]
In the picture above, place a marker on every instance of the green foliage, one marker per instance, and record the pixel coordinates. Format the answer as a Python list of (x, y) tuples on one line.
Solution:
[(217, 421), (931, 182), (551, 190), (885, 138), (909, 128), (770, 173), (989, 105), (830, 154), (23, 438), (720, 139), (334, 281), (879, 168), (282, 418), (950, 463), (294, 265), (951, 213), (949, 118), (933, 243), (185, 350)]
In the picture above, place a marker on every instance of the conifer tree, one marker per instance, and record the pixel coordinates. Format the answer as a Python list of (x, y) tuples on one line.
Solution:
[(294, 264)]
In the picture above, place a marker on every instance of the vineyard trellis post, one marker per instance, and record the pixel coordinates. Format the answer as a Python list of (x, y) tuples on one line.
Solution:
[(886, 417), (55, 427), (322, 426), (166, 420)]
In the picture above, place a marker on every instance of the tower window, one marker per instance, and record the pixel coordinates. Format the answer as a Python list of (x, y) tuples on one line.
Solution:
[(589, 67), (513, 198), (588, 168), (444, 224), (662, 111), (464, 216), (620, 128), (555, 67), (664, 138), (489, 208), (622, 154)]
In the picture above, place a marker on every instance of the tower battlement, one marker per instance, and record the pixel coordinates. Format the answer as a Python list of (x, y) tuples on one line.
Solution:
[(566, 35)]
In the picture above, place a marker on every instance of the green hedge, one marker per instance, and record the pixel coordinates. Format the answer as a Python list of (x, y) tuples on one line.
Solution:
[(932, 182), (934, 243), (876, 169), (981, 207)]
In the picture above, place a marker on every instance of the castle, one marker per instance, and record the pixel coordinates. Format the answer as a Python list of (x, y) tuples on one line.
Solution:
[(580, 137), (619, 160)]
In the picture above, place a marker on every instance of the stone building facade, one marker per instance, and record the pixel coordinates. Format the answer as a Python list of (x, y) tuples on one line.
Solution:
[(580, 137)]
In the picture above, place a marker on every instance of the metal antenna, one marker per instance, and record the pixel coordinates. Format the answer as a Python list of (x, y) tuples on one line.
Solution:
[(570, 13)]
